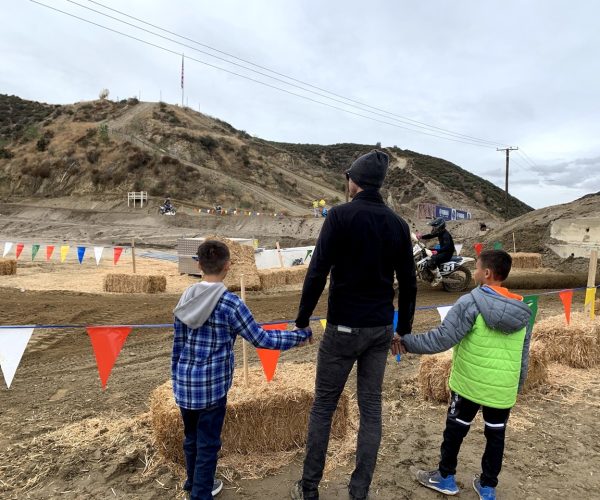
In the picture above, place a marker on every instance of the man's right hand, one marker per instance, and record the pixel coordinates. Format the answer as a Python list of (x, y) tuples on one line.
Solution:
[(397, 346)]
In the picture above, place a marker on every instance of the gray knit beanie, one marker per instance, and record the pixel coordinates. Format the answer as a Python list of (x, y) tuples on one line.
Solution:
[(368, 171)]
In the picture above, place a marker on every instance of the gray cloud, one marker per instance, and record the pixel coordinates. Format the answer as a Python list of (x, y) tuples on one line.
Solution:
[(530, 82)]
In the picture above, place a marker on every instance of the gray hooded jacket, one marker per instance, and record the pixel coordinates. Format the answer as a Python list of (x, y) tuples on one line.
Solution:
[(499, 312), (198, 302)]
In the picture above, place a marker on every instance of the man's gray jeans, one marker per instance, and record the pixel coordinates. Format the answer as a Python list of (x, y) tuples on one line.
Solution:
[(338, 352)]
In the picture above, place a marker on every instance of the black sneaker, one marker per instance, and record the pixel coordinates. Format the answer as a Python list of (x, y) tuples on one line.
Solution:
[(296, 492), (217, 487)]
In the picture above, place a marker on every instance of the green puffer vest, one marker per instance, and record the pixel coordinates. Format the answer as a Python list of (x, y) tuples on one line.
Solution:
[(486, 366)]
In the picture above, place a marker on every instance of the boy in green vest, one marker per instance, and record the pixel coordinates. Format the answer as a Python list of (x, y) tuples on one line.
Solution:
[(488, 329)]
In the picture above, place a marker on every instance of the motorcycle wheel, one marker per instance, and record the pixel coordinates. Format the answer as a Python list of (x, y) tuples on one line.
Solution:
[(458, 281)]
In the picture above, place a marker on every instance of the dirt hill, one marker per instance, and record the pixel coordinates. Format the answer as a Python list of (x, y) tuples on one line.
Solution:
[(104, 148)]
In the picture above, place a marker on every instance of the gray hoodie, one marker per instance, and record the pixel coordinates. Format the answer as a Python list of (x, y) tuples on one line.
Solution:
[(198, 302), (500, 313)]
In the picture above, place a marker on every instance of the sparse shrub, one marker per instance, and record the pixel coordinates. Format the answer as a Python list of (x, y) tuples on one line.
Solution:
[(41, 170), (132, 101), (209, 143), (92, 156), (103, 132), (6, 154)]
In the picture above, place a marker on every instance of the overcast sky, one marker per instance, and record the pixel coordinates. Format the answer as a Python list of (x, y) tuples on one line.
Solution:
[(523, 73)]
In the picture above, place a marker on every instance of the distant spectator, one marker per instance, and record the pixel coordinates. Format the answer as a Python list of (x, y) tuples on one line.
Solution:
[(315, 205)]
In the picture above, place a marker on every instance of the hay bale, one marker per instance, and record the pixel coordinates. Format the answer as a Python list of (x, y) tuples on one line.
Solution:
[(134, 283), (522, 260), (8, 267), (576, 345), (272, 278), (242, 262), (265, 418), (295, 275), (434, 372), (537, 372), (542, 278)]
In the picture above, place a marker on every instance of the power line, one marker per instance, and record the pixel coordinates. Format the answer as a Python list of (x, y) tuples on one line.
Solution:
[(401, 118), (527, 158), (258, 81)]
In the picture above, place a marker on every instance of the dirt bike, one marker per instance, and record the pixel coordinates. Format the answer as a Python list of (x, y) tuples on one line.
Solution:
[(162, 210), (456, 277)]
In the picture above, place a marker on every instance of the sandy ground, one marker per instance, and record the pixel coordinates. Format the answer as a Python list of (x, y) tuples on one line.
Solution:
[(62, 436)]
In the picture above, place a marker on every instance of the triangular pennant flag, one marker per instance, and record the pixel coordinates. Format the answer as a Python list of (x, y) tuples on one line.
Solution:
[(590, 298), (49, 251), (566, 296), (13, 342), (116, 254), (497, 245), (323, 323), (268, 359), (443, 311), (395, 320), (34, 250), (458, 248), (80, 253), (478, 248), (64, 250), (107, 342), (532, 302), (7, 248), (20, 247), (98, 254)]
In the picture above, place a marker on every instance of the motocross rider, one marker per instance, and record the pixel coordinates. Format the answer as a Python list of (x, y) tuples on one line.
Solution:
[(446, 250), (167, 204)]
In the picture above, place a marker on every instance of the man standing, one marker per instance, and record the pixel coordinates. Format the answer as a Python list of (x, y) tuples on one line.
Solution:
[(363, 243)]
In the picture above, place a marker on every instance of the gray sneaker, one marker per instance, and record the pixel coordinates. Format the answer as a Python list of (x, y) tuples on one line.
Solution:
[(296, 492), (217, 487)]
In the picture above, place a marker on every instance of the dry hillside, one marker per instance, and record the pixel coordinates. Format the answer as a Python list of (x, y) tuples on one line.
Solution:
[(104, 148)]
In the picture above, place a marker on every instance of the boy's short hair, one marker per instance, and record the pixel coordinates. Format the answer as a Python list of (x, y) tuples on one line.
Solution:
[(212, 256), (497, 261)]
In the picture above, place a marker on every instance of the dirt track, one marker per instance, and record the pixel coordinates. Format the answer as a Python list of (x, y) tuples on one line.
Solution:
[(551, 435)]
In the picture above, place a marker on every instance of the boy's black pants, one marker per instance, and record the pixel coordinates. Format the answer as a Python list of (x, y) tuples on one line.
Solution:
[(461, 414)]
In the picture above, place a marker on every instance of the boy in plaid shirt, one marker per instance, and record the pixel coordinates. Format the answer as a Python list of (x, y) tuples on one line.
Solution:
[(208, 318)]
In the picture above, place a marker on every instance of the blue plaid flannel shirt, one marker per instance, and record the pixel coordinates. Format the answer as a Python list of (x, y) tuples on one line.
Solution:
[(202, 362)]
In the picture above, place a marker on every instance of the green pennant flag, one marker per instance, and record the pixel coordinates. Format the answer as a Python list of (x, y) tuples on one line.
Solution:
[(497, 245), (34, 251), (532, 302)]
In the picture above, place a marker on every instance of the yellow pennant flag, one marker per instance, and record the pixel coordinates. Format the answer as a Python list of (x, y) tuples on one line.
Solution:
[(323, 323), (590, 298), (64, 250)]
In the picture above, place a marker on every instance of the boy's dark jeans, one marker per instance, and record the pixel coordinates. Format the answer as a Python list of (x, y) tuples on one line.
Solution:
[(338, 352), (202, 429), (458, 422)]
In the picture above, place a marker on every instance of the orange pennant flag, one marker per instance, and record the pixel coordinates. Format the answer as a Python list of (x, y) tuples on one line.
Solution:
[(566, 296), (116, 254), (49, 251), (107, 342), (270, 357), (20, 247)]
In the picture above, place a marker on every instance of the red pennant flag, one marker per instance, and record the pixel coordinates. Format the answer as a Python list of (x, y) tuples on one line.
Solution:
[(117, 253), (567, 298), (478, 248), (107, 342), (269, 357), (49, 251), (20, 247)]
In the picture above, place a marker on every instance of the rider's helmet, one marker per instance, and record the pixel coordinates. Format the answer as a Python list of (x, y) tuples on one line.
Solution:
[(438, 225)]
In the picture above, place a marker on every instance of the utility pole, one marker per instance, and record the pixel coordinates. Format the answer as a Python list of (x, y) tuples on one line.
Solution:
[(182, 57), (508, 150)]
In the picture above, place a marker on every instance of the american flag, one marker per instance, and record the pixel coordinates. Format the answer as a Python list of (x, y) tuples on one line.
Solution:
[(181, 70)]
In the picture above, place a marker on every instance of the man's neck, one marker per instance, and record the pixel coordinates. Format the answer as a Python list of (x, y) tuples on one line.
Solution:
[(213, 278)]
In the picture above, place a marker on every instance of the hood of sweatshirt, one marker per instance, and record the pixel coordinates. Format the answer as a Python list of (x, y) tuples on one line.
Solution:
[(505, 314), (198, 302)]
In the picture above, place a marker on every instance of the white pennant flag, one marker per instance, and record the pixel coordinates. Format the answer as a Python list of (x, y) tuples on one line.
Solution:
[(443, 311), (98, 254), (7, 248), (458, 247), (13, 342)]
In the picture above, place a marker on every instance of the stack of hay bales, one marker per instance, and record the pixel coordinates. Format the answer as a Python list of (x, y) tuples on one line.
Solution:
[(434, 372), (576, 345), (262, 418), (278, 277), (134, 283), (8, 267), (522, 260), (242, 262)]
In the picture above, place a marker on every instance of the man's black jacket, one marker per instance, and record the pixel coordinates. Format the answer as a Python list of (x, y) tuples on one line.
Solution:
[(445, 240), (363, 243)]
